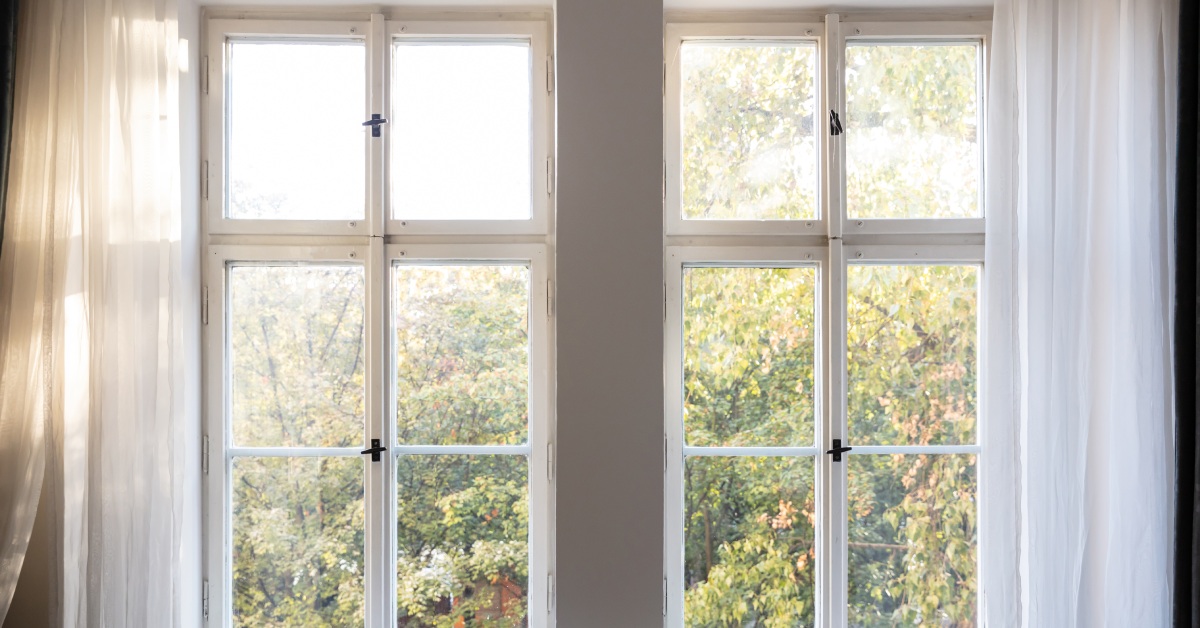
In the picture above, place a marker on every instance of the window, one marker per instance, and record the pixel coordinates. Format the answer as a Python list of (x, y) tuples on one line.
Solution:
[(824, 264), (378, 341)]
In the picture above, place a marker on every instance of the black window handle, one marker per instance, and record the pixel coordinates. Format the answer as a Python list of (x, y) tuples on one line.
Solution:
[(374, 450), (838, 450), (375, 121)]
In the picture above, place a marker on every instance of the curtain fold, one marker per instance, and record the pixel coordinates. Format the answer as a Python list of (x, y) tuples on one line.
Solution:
[(8, 49), (1187, 269), (1083, 103), (90, 343)]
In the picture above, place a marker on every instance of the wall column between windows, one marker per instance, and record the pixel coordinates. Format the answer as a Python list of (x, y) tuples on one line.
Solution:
[(609, 312)]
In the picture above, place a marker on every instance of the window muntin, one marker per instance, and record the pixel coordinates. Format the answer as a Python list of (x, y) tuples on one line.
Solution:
[(296, 146), (912, 129), (295, 334), (462, 122), (749, 134)]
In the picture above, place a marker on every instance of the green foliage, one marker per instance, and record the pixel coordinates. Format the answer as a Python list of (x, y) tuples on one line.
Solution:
[(912, 125), (749, 148), (749, 336)]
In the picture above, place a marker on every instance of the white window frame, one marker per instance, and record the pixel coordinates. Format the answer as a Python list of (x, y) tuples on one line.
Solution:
[(833, 243), (376, 242)]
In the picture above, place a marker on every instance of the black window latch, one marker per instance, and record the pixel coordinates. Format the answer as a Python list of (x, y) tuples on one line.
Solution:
[(838, 450), (375, 121), (835, 123), (374, 450)]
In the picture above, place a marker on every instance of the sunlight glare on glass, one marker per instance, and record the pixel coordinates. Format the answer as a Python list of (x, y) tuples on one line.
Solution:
[(296, 141), (748, 143), (460, 145)]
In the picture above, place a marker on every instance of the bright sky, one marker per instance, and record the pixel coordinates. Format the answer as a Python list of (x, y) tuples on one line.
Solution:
[(459, 130)]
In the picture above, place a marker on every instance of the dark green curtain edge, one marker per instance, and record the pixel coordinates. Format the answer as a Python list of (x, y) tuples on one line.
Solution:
[(1187, 523), (8, 52)]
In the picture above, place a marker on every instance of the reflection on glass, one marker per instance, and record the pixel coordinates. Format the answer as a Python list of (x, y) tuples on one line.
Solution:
[(462, 541), (912, 354), (748, 542), (296, 345), (298, 541), (912, 131), (749, 150), (749, 342), (296, 141), (912, 540), (462, 354), (461, 125)]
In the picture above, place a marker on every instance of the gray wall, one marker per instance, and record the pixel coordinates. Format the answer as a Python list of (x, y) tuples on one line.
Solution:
[(609, 316)]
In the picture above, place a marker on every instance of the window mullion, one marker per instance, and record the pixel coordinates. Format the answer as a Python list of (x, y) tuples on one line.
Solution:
[(831, 498), (377, 102), (379, 504)]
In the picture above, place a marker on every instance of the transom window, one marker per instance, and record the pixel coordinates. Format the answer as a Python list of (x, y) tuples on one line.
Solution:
[(378, 443), (824, 269)]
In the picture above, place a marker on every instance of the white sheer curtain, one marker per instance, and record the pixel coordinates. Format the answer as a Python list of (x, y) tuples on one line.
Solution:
[(1081, 133), (89, 295)]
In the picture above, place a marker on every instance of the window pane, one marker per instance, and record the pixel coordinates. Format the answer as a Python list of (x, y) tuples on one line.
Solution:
[(748, 542), (462, 543), (912, 540), (749, 339), (912, 131), (296, 344), (296, 147), (462, 354), (461, 130), (912, 352), (297, 541), (749, 151)]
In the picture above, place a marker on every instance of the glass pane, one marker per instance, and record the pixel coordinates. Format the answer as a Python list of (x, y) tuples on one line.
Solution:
[(748, 542), (296, 140), (296, 345), (749, 343), (462, 354), (297, 541), (461, 130), (912, 538), (912, 352), (462, 544), (912, 131), (749, 151)]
